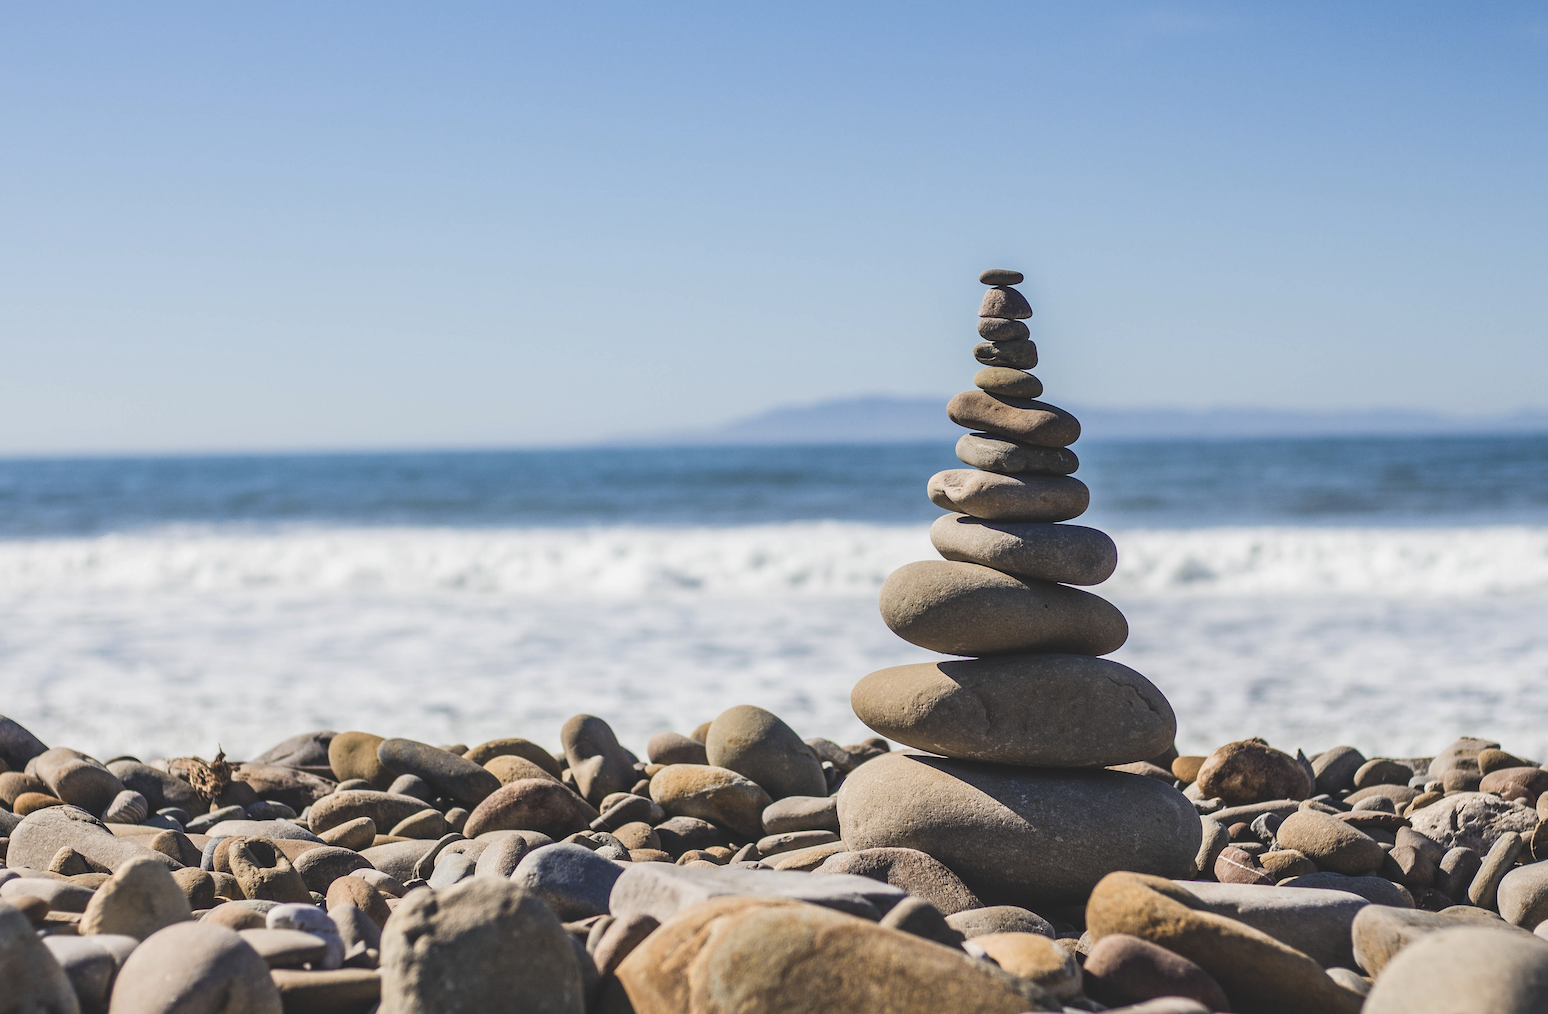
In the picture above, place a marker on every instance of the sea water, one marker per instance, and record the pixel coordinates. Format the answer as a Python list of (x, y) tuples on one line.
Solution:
[(1390, 593)]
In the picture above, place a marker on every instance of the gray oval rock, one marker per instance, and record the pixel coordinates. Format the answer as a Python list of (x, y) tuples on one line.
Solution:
[(967, 609), (756, 744), (195, 968), (1020, 419), (1009, 497), (1021, 836), (385, 809), (1009, 382), (34, 982), (1036, 710), (1067, 554), (1002, 329), (1468, 970), (449, 774), (993, 454)]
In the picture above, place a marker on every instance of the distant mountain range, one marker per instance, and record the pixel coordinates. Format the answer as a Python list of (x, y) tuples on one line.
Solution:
[(903, 420)]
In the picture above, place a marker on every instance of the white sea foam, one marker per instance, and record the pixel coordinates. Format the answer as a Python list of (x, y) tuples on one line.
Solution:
[(167, 641)]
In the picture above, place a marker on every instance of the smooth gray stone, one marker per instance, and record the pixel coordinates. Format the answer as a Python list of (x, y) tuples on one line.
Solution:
[(271, 829), (801, 813), (993, 454), (454, 868), (1314, 922), (77, 778), (61, 895), (8, 822), (1038, 710), (572, 880), (1335, 769), (1250, 812), (1523, 895), (204, 821), (481, 945), (660, 890), (360, 934), (41, 834), (978, 922), (1070, 554), (285, 948), (919, 874), (598, 764), (306, 749), (1460, 755), (161, 789), (1021, 836), (756, 744), (34, 983), (1002, 329), (1027, 498), (967, 609), (195, 968), (502, 855), (1379, 932), (398, 859), (1376, 890), (447, 773), (91, 963), (320, 867), (1496, 863), (17, 745), (1001, 276), (1023, 420), (1467, 970), (289, 786), (412, 785)]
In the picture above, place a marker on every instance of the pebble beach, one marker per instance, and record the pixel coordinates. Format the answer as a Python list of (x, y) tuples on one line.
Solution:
[(1018, 819)]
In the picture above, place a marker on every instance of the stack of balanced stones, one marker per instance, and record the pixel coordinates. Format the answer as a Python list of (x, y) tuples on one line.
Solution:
[(1015, 791)]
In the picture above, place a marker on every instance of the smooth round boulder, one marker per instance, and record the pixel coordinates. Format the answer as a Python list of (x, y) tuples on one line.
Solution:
[(1331, 843), (765, 956), (1122, 969), (968, 609), (139, 899), (513, 746), (1020, 836), (1020, 419), (599, 765), (353, 755), (385, 809), (756, 743), (919, 874), (1009, 382), (997, 497), (195, 968), (675, 748), (76, 778), (1251, 771), (1068, 554), (1467, 970), (509, 768), (715, 794), (993, 454), (531, 804), (1051, 710), (1523, 895)]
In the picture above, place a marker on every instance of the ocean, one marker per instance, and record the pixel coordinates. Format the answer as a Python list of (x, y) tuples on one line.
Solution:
[(1386, 592)]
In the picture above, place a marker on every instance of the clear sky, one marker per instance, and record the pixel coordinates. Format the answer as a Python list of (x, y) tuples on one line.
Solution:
[(302, 225)]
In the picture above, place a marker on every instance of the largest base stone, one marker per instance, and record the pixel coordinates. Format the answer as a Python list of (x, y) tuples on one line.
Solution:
[(1021, 836)]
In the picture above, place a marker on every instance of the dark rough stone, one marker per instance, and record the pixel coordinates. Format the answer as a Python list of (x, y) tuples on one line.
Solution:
[(478, 946), (1251, 771), (1017, 353), (1003, 301), (17, 745), (1335, 769)]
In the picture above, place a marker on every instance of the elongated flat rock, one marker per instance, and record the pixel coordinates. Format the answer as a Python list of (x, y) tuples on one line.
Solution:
[(1020, 836), (1020, 419), (1064, 711), (1002, 329), (1009, 382), (1009, 497), (994, 454), (968, 609), (1069, 554)]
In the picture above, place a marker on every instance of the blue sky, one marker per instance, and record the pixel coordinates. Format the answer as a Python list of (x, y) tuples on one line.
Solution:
[(290, 225)]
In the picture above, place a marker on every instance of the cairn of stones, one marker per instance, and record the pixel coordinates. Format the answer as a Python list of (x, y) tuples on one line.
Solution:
[(1015, 792)]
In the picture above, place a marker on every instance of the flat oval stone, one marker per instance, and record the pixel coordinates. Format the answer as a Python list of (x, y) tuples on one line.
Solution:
[(1020, 836), (1330, 843), (1036, 710), (714, 794), (967, 609), (1003, 301), (1020, 419), (531, 804), (448, 774), (1001, 329), (1001, 276), (76, 778), (1009, 497), (1017, 354), (1067, 554), (1011, 383), (385, 809), (995, 455)]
